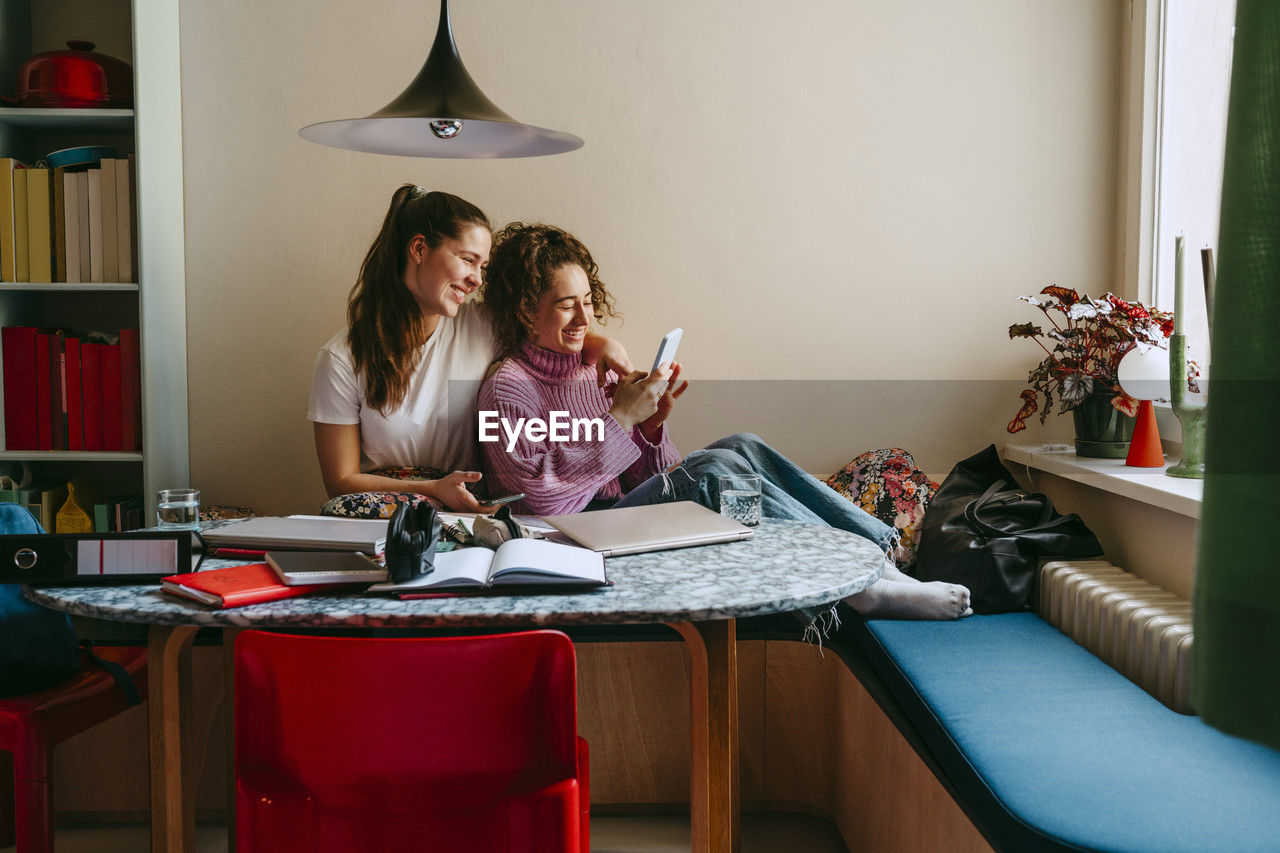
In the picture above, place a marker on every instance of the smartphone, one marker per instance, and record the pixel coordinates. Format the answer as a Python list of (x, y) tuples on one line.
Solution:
[(505, 499), (667, 349)]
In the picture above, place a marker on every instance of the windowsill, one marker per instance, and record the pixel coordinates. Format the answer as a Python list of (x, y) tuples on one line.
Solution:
[(1148, 485)]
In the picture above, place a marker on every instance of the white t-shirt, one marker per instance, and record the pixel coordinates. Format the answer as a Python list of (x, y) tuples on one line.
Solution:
[(435, 426)]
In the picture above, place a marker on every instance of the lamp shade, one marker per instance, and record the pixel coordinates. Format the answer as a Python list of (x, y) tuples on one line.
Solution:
[(442, 114)]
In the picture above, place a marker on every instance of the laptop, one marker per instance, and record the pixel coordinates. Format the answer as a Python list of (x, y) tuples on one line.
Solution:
[(303, 533), (656, 527)]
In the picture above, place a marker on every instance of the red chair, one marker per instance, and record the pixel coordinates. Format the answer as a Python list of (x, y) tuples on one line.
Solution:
[(32, 725), (455, 743)]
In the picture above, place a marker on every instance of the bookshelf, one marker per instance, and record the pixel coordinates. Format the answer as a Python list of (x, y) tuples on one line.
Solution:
[(145, 34)]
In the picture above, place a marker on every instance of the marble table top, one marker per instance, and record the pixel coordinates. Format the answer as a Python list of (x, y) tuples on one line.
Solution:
[(786, 566)]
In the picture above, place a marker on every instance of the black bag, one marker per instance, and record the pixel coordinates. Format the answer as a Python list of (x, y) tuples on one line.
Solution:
[(984, 531)]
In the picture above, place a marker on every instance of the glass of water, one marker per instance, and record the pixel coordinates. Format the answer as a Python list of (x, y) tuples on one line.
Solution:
[(178, 509), (740, 498)]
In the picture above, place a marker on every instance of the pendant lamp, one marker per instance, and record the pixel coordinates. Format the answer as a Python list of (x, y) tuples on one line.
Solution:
[(442, 113)]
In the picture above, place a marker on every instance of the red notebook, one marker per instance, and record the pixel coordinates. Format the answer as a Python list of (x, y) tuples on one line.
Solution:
[(20, 387), (130, 390), (235, 586), (112, 425), (75, 401), (91, 393), (44, 394)]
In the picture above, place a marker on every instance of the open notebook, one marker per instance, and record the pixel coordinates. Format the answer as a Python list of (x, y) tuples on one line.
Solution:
[(516, 562)]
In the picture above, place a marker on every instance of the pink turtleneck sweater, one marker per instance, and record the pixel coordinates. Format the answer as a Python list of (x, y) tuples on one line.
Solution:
[(562, 477)]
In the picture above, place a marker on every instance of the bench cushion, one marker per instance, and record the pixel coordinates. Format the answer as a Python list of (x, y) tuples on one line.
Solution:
[(1048, 748)]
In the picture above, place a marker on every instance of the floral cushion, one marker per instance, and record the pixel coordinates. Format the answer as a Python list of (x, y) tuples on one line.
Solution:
[(887, 484), (382, 504)]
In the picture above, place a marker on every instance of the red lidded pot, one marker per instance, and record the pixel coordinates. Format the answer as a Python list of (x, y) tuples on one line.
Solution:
[(77, 77)]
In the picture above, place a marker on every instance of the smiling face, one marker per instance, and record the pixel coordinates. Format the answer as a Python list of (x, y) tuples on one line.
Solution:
[(564, 312), (442, 278)]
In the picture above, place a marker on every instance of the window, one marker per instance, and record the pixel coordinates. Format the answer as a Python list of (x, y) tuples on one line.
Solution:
[(1194, 39)]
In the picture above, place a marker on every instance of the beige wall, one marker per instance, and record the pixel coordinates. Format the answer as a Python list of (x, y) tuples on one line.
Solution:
[(842, 190)]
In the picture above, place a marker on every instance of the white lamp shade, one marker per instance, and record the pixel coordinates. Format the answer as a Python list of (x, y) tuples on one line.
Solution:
[(1144, 373)]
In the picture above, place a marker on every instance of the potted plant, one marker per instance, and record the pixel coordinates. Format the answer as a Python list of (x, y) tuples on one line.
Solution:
[(1083, 345)]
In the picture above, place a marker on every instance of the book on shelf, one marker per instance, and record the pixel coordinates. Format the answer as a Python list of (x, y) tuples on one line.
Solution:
[(124, 219), (75, 396), (57, 219), (8, 236), (516, 563), (112, 430), (58, 389), (19, 351), (130, 390), (235, 586), (39, 230), (91, 390), (44, 415), (95, 225), (71, 227), (82, 217), (110, 246), (21, 246)]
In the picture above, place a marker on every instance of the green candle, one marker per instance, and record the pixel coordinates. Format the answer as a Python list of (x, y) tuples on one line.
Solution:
[(1179, 292)]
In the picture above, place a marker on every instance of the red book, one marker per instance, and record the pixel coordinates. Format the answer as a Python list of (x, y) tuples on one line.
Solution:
[(91, 391), (112, 430), (44, 394), (58, 388), (75, 402), (19, 349), (130, 390), (235, 586)]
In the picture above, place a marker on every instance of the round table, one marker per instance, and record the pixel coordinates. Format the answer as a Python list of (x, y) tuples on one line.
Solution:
[(698, 591)]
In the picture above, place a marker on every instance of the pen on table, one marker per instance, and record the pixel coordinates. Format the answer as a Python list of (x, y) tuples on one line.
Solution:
[(237, 552)]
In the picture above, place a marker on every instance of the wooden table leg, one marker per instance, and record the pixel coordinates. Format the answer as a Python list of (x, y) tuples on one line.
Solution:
[(229, 701), (168, 714), (713, 693)]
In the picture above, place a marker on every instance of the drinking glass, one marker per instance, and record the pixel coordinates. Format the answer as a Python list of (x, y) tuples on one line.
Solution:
[(178, 509), (740, 498)]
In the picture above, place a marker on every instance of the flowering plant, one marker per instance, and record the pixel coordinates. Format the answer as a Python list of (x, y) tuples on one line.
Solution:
[(1083, 346)]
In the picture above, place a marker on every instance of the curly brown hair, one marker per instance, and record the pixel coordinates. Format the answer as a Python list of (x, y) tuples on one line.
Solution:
[(385, 326), (521, 265)]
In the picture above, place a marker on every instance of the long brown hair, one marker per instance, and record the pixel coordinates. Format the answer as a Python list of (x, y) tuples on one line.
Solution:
[(523, 262), (385, 324)]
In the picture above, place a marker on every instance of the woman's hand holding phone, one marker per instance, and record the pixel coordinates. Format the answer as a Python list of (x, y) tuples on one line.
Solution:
[(451, 490), (637, 396), (652, 425)]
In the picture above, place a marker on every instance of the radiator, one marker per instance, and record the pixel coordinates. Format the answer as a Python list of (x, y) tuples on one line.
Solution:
[(1139, 629)]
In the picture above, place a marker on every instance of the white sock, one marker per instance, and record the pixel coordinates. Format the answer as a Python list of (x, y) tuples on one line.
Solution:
[(890, 598)]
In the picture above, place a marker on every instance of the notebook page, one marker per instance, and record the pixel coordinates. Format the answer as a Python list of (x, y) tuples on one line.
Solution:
[(463, 567), (533, 558)]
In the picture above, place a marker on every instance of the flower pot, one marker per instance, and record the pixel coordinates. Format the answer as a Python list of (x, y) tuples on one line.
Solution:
[(1102, 431)]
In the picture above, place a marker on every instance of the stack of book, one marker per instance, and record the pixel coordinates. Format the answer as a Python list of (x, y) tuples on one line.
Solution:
[(65, 391), (69, 224)]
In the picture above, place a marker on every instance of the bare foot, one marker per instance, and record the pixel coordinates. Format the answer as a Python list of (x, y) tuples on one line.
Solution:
[(888, 599)]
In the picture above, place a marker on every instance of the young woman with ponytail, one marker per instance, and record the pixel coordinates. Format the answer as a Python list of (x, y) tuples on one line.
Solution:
[(393, 395)]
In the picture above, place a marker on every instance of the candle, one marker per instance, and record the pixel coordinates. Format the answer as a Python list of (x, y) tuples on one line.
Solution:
[(1179, 290)]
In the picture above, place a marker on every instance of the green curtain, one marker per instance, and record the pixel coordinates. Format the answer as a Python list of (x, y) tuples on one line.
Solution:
[(1236, 682)]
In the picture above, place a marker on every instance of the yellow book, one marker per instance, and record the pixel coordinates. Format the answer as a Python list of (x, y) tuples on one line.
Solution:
[(8, 256), (39, 226), (20, 245)]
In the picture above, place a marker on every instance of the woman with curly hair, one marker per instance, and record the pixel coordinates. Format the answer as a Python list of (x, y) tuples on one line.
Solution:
[(393, 394), (543, 291)]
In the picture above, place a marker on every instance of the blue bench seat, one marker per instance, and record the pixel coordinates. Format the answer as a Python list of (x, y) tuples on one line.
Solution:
[(1048, 748)]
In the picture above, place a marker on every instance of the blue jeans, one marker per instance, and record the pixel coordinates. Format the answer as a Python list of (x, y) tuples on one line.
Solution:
[(787, 490)]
